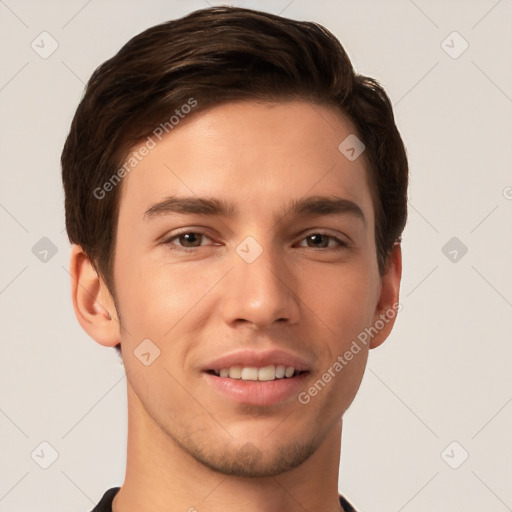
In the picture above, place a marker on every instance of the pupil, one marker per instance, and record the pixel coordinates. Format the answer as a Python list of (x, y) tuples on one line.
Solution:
[(187, 236), (317, 238)]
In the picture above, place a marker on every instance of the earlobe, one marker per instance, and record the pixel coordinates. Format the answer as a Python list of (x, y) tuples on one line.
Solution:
[(92, 302), (388, 304)]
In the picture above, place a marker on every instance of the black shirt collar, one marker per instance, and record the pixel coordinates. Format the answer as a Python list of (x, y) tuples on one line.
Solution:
[(105, 504)]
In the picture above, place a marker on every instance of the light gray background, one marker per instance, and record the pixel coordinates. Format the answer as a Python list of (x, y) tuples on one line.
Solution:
[(443, 375)]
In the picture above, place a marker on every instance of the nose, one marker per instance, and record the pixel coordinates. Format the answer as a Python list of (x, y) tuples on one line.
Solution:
[(261, 293)]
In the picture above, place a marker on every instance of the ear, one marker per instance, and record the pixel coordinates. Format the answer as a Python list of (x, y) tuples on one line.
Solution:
[(94, 306), (388, 304)]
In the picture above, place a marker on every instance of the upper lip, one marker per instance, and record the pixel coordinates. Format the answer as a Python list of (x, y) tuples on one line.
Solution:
[(259, 359)]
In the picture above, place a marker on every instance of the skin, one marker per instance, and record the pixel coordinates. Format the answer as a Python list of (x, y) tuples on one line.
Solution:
[(189, 446)]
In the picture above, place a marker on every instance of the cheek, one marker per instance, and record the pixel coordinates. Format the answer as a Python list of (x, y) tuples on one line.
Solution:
[(154, 297), (343, 299)]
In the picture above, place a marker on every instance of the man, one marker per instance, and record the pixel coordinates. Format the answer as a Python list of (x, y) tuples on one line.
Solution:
[(235, 197)]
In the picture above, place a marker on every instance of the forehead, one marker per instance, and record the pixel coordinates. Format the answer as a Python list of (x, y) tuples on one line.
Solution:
[(255, 156)]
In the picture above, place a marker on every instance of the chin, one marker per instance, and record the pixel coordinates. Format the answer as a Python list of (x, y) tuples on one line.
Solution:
[(250, 461)]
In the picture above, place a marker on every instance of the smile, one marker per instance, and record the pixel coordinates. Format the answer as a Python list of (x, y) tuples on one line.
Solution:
[(266, 373)]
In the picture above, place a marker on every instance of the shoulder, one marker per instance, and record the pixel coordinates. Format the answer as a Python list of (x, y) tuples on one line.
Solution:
[(105, 504), (347, 507)]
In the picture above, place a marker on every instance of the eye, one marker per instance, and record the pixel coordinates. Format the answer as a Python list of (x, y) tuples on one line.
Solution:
[(321, 241), (187, 240)]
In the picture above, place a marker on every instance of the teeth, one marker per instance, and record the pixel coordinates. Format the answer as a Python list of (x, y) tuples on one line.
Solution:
[(266, 373), (289, 372), (250, 374), (235, 372)]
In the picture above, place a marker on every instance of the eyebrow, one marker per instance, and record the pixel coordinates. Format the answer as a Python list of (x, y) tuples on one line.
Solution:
[(303, 207)]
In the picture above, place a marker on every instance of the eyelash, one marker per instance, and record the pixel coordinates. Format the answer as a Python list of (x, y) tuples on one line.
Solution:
[(168, 242)]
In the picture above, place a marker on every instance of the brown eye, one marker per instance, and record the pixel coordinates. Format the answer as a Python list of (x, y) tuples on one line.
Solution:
[(186, 240), (321, 241), (190, 239)]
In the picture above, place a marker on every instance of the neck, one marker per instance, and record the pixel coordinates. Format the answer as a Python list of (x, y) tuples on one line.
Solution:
[(161, 476)]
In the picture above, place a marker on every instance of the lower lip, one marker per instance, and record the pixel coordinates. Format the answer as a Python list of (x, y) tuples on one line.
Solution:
[(257, 392)]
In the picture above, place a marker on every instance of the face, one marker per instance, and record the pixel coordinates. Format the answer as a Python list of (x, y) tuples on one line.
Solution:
[(256, 272)]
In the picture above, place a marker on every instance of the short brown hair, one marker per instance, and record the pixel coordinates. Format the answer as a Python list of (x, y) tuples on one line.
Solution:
[(217, 55)]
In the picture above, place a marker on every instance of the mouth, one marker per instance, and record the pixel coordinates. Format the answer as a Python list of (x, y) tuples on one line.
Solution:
[(257, 379)]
